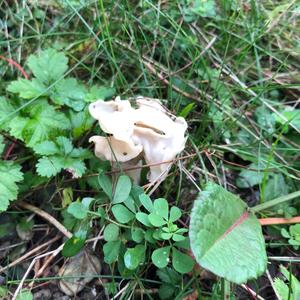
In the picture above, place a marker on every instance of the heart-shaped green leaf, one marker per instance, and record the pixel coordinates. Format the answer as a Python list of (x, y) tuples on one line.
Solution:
[(225, 238), (134, 256), (160, 257), (122, 213), (146, 202), (161, 208), (156, 220), (122, 190), (111, 232), (175, 214), (111, 251), (182, 263)]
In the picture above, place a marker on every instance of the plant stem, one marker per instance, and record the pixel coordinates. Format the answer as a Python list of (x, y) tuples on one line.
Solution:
[(274, 202), (225, 289)]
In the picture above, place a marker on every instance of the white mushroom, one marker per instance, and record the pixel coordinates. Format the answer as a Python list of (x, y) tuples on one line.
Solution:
[(114, 117), (148, 130), (119, 153), (160, 148), (115, 150)]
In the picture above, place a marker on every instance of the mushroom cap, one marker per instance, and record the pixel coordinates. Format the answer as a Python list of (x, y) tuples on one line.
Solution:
[(149, 129), (115, 150), (151, 114), (158, 150), (114, 117)]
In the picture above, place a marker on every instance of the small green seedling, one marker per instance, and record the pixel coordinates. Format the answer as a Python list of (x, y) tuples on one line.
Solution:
[(293, 235)]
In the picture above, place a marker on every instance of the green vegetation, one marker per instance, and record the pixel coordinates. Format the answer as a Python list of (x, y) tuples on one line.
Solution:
[(230, 68)]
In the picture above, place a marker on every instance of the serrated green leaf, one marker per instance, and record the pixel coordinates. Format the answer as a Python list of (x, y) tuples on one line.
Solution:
[(69, 92), (80, 122), (27, 89), (40, 122), (160, 257), (97, 93), (74, 166), (49, 166), (6, 111), (225, 238), (65, 145), (169, 275), (265, 119), (196, 8), (165, 291), (122, 190), (111, 232), (46, 148), (48, 66), (60, 155), (181, 262), (10, 174), (134, 256), (290, 291), (122, 214)]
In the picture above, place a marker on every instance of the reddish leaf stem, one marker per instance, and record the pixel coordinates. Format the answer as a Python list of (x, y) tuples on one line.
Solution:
[(15, 64), (278, 221)]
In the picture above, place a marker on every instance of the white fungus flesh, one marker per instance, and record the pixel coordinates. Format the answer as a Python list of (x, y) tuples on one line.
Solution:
[(147, 131)]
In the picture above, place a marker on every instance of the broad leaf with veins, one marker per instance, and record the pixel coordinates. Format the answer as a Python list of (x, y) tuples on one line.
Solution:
[(60, 155), (225, 238)]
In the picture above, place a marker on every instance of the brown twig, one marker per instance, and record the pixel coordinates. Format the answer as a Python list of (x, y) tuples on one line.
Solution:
[(28, 254), (54, 252), (278, 221), (47, 217)]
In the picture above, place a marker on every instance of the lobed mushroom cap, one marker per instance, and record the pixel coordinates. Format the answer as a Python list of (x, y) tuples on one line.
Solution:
[(114, 117), (149, 130), (115, 150)]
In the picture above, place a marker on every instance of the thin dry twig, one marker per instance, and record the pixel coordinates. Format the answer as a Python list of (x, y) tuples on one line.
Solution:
[(245, 287), (26, 255), (272, 284), (47, 217), (54, 252)]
